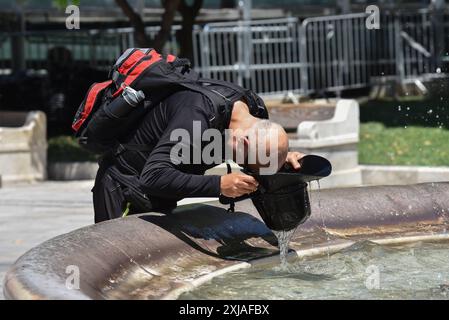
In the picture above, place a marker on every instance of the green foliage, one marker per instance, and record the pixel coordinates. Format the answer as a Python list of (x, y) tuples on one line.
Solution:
[(66, 149), (62, 4)]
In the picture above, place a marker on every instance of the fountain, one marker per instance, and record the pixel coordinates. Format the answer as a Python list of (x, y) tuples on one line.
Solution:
[(155, 256)]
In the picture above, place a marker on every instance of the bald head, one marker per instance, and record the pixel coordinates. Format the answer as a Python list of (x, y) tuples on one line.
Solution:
[(268, 147)]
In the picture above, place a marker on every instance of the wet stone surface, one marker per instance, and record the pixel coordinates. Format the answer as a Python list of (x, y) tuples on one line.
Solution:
[(33, 213)]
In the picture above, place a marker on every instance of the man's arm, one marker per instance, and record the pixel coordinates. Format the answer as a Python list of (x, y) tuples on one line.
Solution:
[(163, 178)]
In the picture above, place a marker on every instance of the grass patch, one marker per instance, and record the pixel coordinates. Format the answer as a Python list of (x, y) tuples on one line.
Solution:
[(413, 132), (67, 149), (411, 145)]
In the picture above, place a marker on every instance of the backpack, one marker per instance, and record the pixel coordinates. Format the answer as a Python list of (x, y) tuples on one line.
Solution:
[(159, 76)]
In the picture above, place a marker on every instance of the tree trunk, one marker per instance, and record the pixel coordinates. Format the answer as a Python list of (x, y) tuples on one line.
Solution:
[(189, 14), (168, 17), (136, 21)]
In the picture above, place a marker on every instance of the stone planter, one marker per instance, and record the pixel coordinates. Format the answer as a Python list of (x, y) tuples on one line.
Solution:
[(23, 146), (335, 139), (72, 170)]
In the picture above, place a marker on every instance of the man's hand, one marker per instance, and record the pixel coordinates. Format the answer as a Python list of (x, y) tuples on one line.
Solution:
[(234, 185), (293, 159)]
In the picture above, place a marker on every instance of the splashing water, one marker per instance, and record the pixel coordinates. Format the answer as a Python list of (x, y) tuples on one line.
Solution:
[(320, 212), (284, 238)]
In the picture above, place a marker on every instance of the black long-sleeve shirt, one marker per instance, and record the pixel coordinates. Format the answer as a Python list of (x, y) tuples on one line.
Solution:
[(159, 175)]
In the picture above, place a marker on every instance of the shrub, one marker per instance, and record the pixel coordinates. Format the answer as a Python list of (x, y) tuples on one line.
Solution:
[(66, 149)]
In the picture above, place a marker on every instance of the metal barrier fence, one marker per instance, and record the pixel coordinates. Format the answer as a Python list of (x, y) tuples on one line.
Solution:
[(272, 57), (262, 55), (331, 53)]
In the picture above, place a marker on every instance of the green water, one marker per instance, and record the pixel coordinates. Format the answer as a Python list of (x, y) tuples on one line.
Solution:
[(363, 271)]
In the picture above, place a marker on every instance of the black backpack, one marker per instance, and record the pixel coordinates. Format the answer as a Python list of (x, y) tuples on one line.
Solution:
[(160, 76)]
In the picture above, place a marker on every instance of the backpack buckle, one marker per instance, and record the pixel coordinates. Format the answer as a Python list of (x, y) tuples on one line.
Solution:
[(120, 149)]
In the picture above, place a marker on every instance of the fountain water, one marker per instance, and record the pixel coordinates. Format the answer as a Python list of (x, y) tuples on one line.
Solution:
[(365, 270), (284, 238)]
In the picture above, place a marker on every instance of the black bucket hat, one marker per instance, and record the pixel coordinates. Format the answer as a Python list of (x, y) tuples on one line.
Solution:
[(282, 199)]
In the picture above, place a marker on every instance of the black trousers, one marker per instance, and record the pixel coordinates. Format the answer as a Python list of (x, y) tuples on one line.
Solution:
[(109, 200)]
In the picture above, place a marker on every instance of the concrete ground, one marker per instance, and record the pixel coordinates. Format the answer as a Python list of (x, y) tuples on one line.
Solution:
[(33, 213)]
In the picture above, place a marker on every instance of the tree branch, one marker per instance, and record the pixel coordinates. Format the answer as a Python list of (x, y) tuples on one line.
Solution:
[(136, 21), (168, 17), (189, 14)]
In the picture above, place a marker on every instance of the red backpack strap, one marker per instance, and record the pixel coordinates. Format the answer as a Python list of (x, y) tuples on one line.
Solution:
[(135, 62), (131, 61), (137, 69), (90, 101)]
